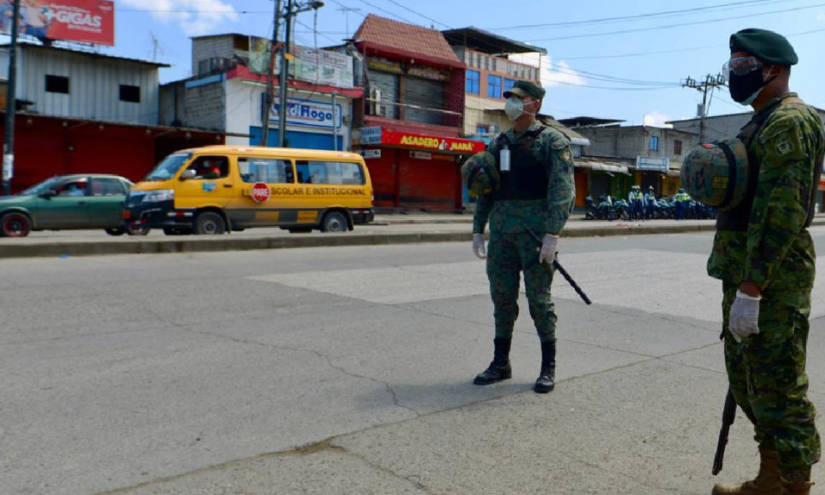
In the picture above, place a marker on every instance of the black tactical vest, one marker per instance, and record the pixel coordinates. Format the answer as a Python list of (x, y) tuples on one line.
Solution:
[(737, 218), (527, 178)]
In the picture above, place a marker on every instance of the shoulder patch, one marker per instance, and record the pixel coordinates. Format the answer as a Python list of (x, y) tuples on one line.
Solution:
[(557, 140)]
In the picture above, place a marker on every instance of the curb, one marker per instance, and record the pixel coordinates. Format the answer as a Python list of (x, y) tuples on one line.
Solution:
[(228, 243)]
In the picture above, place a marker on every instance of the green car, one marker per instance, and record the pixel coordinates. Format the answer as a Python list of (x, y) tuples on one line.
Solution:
[(78, 201)]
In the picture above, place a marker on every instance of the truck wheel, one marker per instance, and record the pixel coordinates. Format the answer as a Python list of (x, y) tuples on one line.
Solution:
[(135, 228), (334, 222), (209, 223), (15, 224)]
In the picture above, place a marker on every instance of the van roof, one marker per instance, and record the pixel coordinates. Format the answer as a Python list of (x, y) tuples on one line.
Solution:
[(266, 150)]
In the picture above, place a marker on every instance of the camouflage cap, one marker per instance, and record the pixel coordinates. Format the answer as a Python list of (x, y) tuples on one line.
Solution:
[(480, 174), (717, 174), (525, 88), (765, 45)]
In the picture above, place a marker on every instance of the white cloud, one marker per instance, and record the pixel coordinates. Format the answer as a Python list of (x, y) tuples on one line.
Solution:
[(657, 119), (551, 75), (194, 17)]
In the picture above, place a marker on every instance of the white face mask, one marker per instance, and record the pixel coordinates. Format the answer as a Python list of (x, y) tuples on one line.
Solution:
[(514, 107)]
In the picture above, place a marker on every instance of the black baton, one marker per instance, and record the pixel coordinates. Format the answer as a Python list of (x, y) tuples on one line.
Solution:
[(563, 272), (728, 415)]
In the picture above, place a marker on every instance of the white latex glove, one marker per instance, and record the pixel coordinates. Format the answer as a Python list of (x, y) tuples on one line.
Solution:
[(744, 316), (548, 248), (478, 246)]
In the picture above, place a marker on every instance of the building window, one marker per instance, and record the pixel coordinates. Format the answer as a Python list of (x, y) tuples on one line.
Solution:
[(473, 78), (482, 130), (129, 93), (677, 147), (57, 84), (508, 84), (654, 143), (494, 86)]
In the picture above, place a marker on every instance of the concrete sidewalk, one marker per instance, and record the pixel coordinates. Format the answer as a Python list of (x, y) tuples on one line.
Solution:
[(386, 229)]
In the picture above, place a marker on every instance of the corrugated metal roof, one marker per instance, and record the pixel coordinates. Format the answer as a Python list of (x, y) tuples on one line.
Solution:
[(27, 45), (487, 42)]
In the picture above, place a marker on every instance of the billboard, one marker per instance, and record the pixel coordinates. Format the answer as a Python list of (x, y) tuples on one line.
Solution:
[(313, 66), (84, 21)]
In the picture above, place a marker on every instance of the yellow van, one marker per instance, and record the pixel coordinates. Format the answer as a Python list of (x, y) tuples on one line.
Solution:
[(215, 189)]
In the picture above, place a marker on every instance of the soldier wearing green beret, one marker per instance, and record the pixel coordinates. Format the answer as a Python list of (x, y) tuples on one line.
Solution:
[(765, 258), (532, 201)]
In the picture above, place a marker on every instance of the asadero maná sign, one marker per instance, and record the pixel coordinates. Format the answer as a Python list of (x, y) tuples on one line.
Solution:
[(432, 143)]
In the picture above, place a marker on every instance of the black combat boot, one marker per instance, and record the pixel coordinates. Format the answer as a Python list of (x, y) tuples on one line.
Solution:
[(547, 376), (499, 369)]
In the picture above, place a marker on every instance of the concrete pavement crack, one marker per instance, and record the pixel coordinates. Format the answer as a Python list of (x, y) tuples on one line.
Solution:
[(387, 386)]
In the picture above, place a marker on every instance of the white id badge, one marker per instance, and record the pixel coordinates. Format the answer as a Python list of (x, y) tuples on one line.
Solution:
[(504, 159)]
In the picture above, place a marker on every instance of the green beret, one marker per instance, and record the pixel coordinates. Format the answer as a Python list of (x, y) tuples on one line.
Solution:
[(765, 45), (525, 88)]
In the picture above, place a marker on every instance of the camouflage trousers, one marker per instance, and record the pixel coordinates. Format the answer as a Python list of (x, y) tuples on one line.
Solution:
[(507, 255), (766, 373)]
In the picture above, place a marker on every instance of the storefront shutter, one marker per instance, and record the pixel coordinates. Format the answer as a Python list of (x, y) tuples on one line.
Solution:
[(428, 94)]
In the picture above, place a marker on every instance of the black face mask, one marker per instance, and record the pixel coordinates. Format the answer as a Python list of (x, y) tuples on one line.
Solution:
[(745, 88)]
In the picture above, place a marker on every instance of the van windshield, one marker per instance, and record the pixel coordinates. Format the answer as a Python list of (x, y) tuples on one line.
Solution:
[(168, 167)]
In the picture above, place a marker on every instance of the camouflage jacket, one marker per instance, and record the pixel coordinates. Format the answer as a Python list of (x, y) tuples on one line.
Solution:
[(776, 250), (541, 216)]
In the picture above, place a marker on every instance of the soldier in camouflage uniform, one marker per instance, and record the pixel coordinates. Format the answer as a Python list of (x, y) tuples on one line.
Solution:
[(765, 258), (532, 202)]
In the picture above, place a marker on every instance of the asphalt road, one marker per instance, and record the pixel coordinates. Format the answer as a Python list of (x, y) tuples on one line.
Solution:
[(348, 369)]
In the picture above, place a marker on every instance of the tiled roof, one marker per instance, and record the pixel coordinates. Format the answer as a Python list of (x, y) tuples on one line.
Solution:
[(405, 38)]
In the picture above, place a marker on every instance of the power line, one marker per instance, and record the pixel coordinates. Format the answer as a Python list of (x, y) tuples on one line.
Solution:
[(652, 28), (419, 13), (631, 17), (678, 50), (387, 12)]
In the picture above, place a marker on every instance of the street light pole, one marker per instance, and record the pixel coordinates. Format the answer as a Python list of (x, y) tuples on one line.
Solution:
[(11, 104)]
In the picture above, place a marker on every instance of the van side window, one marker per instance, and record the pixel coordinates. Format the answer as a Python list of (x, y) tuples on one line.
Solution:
[(267, 170), (210, 167), (340, 173)]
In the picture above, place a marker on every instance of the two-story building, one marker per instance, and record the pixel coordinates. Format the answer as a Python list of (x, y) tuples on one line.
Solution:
[(227, 93), (85, 112), (410, 122), (628, 155), (489, 73)]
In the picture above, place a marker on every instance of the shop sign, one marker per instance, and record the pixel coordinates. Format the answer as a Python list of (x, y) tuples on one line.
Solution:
[(384, 65), (657, 163), (368, 154), (428, 73), (308, 113), (433, 143), (370, 135), (421, 155), (309, 65)]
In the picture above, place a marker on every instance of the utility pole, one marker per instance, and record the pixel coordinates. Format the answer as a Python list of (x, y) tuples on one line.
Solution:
[(293, 8), (11, 104), (285, 56), (269, 77), (703, 87)]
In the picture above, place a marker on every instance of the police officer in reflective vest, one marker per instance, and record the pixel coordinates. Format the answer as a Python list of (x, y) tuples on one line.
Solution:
[(636, 200), (765, 257), (533, 201)]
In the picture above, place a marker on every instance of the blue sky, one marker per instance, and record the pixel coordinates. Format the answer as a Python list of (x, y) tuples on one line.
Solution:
[(651, 51)]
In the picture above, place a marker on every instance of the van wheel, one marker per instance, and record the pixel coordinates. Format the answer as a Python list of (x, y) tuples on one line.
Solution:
[(209, 223), (334, 222), (15, 224), (115, 231)]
